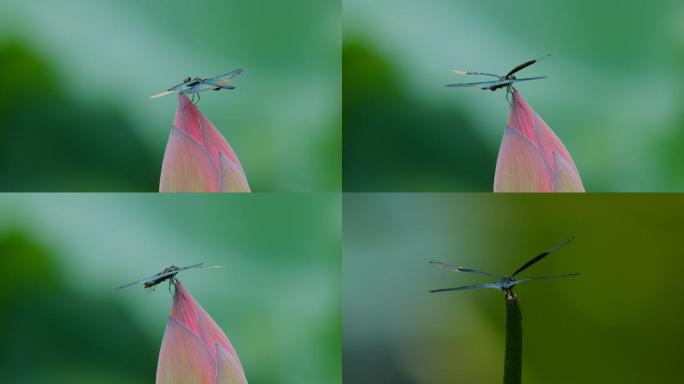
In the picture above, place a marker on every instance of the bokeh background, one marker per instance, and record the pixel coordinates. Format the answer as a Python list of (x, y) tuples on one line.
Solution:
[(277, 298), (76, 76), (620, 321), (614, 93)]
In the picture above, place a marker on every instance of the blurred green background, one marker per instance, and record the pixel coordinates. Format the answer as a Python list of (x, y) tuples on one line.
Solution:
[(76, 76), (620, 321), (614, 93), (277, 299)]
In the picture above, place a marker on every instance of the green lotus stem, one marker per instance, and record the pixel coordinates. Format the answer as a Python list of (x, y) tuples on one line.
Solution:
[(513, 358)]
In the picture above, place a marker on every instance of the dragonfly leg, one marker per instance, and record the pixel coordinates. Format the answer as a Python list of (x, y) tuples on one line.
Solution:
[(172, 282)]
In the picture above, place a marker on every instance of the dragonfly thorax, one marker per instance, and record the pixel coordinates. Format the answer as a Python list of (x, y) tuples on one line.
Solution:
[(508, 283), (170, 269)]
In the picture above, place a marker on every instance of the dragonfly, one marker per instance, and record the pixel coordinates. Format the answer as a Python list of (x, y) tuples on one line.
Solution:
[(505, 81), (166, 274), (193, 86), (505, 283)]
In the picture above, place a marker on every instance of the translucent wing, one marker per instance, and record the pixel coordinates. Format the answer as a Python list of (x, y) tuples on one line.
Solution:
[(477, 286), (141, 281), (160, 94), (464, 72), (542, 255), (526, 64), (203, 87), (527, 79), (223, 80), (483, 84), (200, 266), (172, 89), (518, 281), (456, 268)]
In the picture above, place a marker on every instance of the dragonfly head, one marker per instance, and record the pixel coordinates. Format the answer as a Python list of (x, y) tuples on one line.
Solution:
[(170, 269)]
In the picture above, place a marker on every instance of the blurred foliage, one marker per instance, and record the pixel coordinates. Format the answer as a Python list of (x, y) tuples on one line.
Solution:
[(74, 107), (618, 322), (613, 95), (277, 299), (383, 146)]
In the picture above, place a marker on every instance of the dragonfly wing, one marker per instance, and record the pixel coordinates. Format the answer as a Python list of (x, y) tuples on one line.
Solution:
[(141, 281), (484, 84), (526, 64), (190, 266), (456, 268), (211, 266), (223, 80), (172, 89), (200, 266), (160, 94), (518, 281), (527, 79), (464, 72), (476, 286), (201, 87), (542, 255)]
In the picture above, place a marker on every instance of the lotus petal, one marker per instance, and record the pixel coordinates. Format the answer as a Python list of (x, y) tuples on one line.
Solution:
[(228, 368), (521, 166), (565, 176), (232, 178), (225, 175), (184, 358), (519, 172), (187, 166), (184, 308), (526, 121), (191, 314)]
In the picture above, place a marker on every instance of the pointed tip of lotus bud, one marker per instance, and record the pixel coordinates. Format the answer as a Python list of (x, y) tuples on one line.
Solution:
[(194, 348), (533, 159), (193, 157)]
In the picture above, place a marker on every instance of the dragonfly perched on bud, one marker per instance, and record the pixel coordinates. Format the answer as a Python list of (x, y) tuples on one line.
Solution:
[(505, 81), (193, 86), (505, 283), (167, 274)]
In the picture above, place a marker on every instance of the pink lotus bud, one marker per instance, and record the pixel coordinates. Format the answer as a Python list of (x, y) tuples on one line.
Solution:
[(197, 157), (532, 158), (194, 349)]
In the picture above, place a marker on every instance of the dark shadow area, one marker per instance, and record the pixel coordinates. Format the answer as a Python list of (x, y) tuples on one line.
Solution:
[(49, 142), (53, 335), (376, 364)]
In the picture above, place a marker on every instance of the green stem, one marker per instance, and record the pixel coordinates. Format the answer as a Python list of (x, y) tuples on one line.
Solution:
[(513, 359)]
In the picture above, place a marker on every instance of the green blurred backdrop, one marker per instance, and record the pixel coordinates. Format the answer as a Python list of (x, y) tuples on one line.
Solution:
[(76, 76), (277, 299), (620, 321), (614, 93)]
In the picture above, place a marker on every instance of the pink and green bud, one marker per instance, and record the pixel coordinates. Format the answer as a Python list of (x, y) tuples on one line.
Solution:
[(194, 349), (198, 158), (532, 158)]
